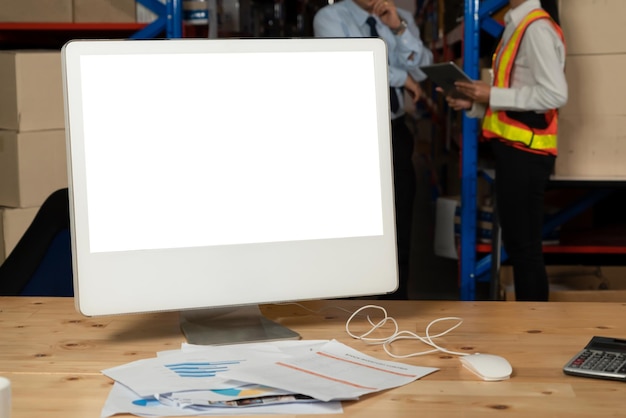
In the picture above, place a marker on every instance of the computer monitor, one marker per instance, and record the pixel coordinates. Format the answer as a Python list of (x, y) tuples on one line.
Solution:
[(207, 175)]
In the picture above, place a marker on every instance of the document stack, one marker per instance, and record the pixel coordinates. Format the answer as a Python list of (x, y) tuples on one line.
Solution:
[(286, 377)]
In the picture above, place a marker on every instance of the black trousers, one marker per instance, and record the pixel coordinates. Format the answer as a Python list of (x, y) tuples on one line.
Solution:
[(20, 266), (521, 180), (404, 181)]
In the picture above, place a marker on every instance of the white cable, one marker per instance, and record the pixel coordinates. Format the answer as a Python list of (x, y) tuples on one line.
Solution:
[(396, 335), (401, 335)]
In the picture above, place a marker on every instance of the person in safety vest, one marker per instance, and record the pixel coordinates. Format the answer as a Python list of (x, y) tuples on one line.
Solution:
[(520, 119)]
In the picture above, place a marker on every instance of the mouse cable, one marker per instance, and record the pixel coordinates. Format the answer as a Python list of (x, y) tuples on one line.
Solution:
[(401, 335), (396, 335)]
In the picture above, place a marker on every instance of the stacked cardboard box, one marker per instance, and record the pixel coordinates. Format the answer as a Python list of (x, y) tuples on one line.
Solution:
[(64, 11), (592, 128), (13, 223), (32, 138), (36, 11), (116, 11)]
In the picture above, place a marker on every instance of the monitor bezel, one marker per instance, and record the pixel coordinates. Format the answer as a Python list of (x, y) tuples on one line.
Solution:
[(94, 296)]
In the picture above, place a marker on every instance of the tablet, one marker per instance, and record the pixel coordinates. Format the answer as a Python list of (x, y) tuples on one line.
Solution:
[(444, 74)]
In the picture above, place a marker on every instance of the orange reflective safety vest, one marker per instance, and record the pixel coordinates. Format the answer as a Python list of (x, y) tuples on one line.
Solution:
[(542, 136)]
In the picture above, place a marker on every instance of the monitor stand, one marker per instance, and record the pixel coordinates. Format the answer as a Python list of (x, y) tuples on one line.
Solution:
[(233, 325)]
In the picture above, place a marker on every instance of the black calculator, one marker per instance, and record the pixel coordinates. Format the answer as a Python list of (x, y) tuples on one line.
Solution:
[(602, 358)]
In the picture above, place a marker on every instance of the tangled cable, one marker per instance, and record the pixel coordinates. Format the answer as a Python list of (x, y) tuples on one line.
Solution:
[(401, 335)]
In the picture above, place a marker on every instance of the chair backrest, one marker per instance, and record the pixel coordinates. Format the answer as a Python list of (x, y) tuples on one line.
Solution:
[(40, 264), (53, 277)]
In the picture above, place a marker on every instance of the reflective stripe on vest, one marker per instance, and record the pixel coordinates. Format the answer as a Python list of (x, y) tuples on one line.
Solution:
[(498, 123)]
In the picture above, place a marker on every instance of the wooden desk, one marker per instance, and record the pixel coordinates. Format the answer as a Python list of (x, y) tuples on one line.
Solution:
[(53, 356)]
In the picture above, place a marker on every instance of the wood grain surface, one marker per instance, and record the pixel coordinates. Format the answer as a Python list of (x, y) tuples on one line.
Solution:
[(54, 356)]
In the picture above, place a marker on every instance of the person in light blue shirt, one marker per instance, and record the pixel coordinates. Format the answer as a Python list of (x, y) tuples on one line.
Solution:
[(406, 54)]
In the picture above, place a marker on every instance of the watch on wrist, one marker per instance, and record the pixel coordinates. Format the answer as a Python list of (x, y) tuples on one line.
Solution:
[(401, 28)]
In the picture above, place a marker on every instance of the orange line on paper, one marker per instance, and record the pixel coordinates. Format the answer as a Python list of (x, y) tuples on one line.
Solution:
[(366, 365), (345, 382)]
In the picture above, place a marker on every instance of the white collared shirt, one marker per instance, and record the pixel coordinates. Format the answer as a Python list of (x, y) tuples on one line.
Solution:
[(407, 53)]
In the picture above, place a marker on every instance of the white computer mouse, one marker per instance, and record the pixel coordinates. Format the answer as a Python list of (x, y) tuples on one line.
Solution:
[(488, 366)]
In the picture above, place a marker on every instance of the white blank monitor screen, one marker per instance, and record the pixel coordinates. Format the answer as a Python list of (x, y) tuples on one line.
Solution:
[(220, 173)]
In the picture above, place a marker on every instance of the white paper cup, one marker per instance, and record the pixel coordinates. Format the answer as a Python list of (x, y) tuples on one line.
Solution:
[(5, 397)]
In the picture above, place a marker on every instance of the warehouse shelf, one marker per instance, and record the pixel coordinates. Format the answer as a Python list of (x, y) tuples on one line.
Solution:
[(576, 247), (6, 27), (54, 35), (168, 23), (476, 18), (569, 249)]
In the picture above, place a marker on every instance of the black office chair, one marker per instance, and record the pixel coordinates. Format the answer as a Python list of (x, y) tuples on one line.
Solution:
[(41, 262)]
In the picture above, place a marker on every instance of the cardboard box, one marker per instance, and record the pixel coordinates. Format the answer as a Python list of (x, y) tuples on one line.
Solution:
[(13, 224), (110, 11), (593, 27), (32, 166), (31, 91), (592, 125), (36, 11), (577, 283)]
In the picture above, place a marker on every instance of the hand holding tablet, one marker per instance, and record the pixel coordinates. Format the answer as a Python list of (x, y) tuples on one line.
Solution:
[(445, 74)]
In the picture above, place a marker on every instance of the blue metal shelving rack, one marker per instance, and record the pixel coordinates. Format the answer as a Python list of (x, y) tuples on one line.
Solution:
[(477, 17), (169, 19)]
